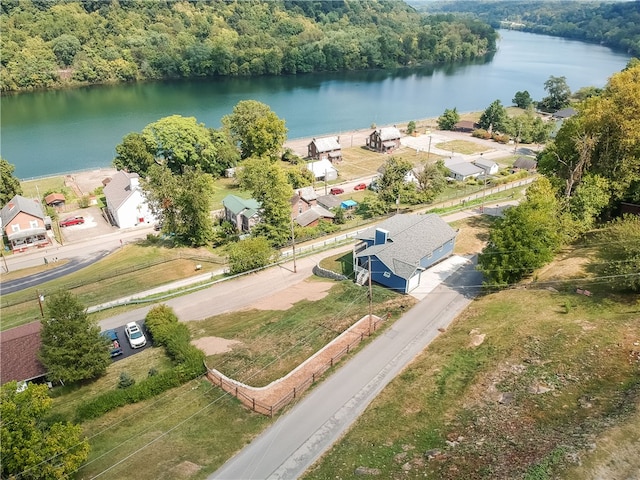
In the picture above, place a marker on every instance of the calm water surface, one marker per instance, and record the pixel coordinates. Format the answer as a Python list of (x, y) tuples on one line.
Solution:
[(49, 133)]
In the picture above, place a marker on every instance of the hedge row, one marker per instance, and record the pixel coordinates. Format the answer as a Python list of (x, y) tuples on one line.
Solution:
[(165, 330)]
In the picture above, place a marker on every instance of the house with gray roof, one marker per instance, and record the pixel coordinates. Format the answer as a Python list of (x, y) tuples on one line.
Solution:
[(524, 163), (126, 204), (243, 213), (326, 148), (384, 139), (489, 166), (463, 171), (398, 250), (24, 224)]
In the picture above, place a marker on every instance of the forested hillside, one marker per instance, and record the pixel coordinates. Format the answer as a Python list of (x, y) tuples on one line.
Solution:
[(614, 24), (54, 43)]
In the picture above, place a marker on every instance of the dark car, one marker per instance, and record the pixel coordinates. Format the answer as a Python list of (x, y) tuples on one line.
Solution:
[(360, 186), (68, 222), (115, 347), (336, 191)]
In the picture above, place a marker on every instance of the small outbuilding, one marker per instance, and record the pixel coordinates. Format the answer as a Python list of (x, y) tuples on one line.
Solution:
[(524, 163), (488, 166), (56, 200)]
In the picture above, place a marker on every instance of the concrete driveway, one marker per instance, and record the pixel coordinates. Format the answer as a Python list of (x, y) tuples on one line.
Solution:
[(434, 276)]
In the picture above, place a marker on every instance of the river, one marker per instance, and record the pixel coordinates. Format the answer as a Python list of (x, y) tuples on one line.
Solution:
[(47, 133)]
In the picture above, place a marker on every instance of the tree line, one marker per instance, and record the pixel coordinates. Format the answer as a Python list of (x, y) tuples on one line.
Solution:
[(614, 24), (54, 43)]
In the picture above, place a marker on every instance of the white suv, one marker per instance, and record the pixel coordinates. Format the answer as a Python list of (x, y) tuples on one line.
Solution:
[(134, 335)]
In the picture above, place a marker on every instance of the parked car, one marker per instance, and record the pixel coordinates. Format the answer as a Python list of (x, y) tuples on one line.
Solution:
[(360, 186), (68, 222), (115, 347), (135, 336), (336, 191)]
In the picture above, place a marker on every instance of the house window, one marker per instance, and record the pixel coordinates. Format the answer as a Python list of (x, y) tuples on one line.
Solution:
[(15, 227), (386, 274), (33, 224)]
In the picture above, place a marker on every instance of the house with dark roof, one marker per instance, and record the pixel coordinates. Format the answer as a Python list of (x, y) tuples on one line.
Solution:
[(55, 200), (243, 213), (327, 148), (24, 224), (398, 250), (466, 126), (313, 216), (126, 205), (564, 113), (329, 201), (305, 210), (19, 349), (384, 140), (524, 163)]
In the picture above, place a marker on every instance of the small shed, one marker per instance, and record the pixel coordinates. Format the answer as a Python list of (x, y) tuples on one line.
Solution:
[(466, 126), (348, 204), (56, 200)]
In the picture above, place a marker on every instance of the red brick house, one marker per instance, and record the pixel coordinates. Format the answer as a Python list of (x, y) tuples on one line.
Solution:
[(25, 224), (19, 353), (384, 140), (327, 148)]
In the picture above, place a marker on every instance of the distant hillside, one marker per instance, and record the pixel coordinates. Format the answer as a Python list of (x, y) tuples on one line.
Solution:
[(614, 24), (54, 43)]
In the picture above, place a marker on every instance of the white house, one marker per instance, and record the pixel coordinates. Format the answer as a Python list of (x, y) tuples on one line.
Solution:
[(489, 166), (323, 170), (126, 205), (464, 171)]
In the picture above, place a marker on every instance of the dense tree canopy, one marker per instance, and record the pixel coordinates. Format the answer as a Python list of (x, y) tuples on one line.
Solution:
[(256, 129), (9, 185), (72, 347), (31, 447), (494, 118), (61, 42), (448, 119), (558, 96)]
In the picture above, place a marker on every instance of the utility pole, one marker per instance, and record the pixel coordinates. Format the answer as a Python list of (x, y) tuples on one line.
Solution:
[(429, 151), (40, 299), (293, 248), (370, 298)]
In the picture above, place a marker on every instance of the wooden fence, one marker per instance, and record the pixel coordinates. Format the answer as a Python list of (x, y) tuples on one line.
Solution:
[(268, 400)]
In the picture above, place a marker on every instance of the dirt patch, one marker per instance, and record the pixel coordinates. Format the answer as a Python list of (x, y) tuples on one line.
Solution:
[(286, 299), (214, 345)]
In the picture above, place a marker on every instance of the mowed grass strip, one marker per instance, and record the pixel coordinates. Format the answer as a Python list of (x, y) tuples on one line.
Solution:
[(515, 380), (130, 269)]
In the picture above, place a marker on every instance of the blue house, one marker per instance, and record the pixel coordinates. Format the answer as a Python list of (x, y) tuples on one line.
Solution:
[(398, 250)]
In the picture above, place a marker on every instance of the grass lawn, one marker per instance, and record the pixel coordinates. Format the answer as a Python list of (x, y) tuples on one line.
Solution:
[(192, 430), (133, 268), (462, 147)]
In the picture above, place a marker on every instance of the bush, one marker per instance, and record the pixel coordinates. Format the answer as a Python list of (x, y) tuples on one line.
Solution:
[(125, 380), (159, 322), (481, 133), (500, 138)]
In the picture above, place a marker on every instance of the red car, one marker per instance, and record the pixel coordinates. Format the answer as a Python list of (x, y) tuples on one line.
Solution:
[(336, 191), (68, 222), (360, 186)]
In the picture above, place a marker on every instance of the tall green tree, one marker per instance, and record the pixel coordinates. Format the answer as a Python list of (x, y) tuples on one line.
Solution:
[(393, 186), (31, 447), (134, 154), (525, 239), (9, 185), (180, 142), (432, 180), (72, 347), (558, 94), (494, 118), (268, 184), (183, 203), (256, 129), (448, 119), (522, 99)]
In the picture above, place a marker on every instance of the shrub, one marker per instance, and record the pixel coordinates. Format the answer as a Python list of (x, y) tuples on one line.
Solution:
[(125, 380), (500, 138), (159, 322), (481, 133)]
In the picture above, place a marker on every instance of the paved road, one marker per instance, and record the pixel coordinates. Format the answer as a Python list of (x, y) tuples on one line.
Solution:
[(291, 445)]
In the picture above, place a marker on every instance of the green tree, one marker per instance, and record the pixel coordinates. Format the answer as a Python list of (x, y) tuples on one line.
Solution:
[(182, 202), (494, 118), (180, 142), (268, 184), (256, 129), (249, 254), (448, 119), (411, 127), (9, 185), (432, 180), (65, 48), (31, 447), (522, 99), (558, 92), (393, 186), (525, 239), (72, 347), (621, 257), (134, 154), (588, 201)]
